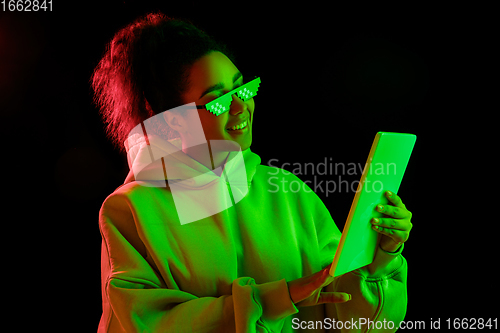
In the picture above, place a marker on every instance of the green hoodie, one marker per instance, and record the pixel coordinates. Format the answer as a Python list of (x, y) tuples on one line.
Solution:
[(227, 272)]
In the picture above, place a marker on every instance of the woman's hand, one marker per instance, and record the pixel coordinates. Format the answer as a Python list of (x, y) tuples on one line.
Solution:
[(396, 226), (306, 291)]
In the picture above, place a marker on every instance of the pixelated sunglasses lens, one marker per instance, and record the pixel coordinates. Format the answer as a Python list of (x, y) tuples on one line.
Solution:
[(217, 108), (220, 105), (223, 103), (245, 94), (249, 90)]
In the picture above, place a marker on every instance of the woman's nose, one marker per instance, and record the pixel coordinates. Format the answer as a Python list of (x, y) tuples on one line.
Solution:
[(237, 105)]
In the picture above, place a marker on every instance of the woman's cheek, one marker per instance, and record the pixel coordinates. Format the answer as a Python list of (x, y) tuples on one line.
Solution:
[(251, 108)]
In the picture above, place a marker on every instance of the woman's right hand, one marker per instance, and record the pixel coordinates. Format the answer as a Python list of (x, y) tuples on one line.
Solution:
[(306, 291)]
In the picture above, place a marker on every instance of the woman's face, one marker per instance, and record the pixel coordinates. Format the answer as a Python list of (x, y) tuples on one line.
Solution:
[(210, 77)]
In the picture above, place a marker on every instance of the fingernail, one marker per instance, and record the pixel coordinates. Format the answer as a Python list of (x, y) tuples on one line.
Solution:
[(375, 220), (350, 297), (389, 193), (380, 208)]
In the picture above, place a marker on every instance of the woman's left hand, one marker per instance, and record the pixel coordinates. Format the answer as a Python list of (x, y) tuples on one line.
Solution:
[(396, 224)]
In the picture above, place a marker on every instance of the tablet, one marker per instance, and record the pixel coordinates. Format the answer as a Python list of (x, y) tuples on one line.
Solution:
[(383, 171)]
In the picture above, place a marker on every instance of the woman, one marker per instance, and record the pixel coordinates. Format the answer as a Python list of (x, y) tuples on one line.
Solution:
[(197, 239)]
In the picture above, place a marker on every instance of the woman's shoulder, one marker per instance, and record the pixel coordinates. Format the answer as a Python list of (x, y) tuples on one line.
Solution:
[(135, 190), (266, 171)]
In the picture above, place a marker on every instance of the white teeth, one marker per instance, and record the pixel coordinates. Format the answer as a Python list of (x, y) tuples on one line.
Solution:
[(240, 126)]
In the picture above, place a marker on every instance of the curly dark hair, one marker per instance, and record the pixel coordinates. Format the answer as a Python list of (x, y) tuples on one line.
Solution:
[(144, 71)]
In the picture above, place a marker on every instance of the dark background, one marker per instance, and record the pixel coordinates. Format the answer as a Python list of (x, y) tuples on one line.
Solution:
[(331, 78)]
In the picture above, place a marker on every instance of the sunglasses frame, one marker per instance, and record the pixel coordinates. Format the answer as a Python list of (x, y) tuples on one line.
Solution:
[(222, 104)]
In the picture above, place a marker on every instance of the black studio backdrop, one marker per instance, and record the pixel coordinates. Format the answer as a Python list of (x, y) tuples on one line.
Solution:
[(331, 78)]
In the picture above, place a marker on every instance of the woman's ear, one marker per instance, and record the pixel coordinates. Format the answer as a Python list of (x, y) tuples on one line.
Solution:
[(175, 121)]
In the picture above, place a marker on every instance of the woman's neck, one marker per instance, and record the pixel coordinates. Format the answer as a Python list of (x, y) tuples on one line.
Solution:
[(211, 158)]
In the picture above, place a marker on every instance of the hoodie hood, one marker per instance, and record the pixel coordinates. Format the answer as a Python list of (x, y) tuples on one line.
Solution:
[(145, 155), (161, 163)]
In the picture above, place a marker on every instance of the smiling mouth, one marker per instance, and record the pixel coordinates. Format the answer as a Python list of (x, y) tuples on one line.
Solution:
[(241, 126)]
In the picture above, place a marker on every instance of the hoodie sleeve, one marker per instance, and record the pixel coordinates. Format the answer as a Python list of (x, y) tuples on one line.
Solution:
[(378, 301), (378, 290), (136, 298)]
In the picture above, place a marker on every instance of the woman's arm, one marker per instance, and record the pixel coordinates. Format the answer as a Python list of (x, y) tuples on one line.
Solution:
[(136, 298), (375, 299), (378, 290)]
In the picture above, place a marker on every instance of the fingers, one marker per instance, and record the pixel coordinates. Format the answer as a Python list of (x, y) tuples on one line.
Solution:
[(330, 297), (397, 229), (324, 279), (333, 297), (398, 212), (309, 287), (307, 291), (397, 224), (398, 236), (394, 199)]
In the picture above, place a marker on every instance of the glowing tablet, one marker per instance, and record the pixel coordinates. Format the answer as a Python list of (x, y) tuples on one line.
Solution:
[(383, 171)]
